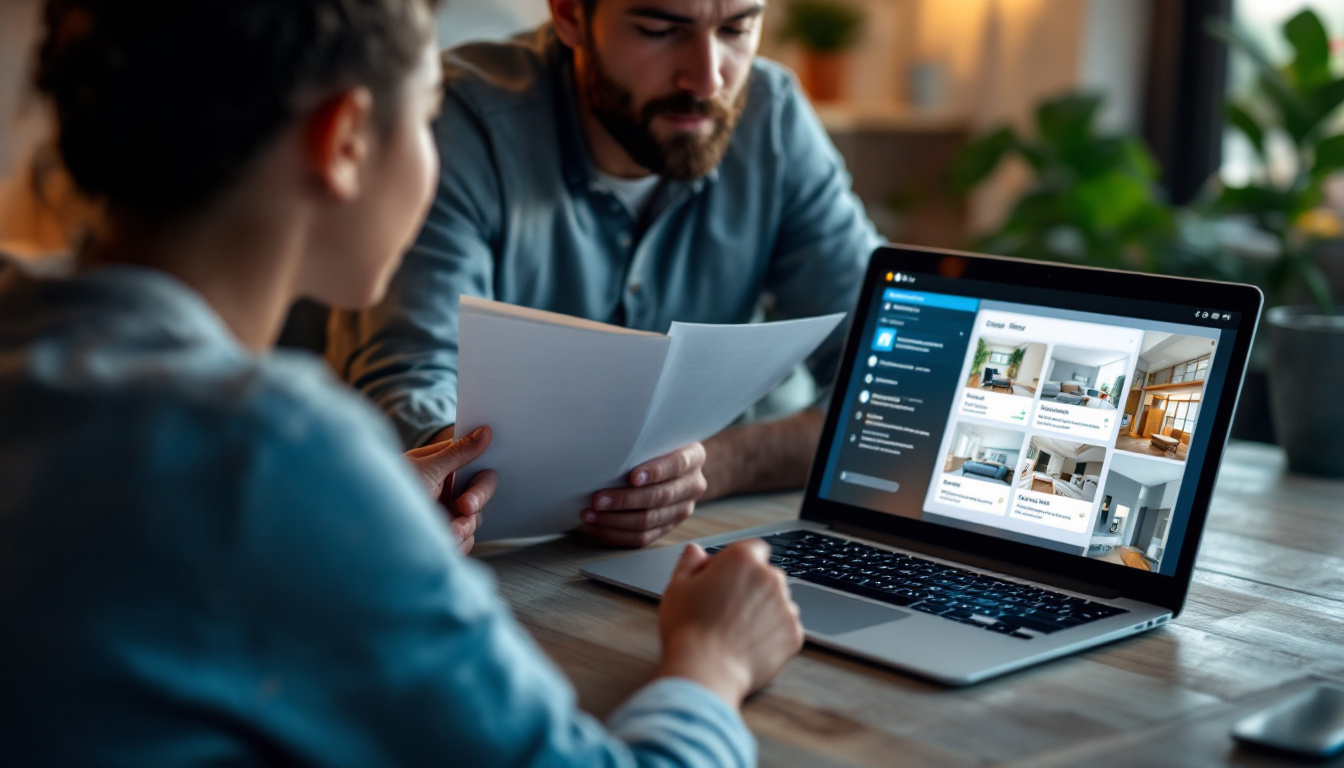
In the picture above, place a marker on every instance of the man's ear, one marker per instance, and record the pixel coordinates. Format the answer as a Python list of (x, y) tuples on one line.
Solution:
[(337, 138), (571, 22)]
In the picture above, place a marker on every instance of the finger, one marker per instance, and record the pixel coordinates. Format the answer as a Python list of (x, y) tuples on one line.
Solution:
[(465, 527), (620, 538), (754, 549), (465, 546), (454, 454), (679, 489), (680, 462), (479, 491), (692, 557), (427, 450), (642, 520)]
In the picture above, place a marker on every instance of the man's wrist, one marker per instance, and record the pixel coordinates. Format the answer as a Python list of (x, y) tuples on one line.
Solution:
[(758, 458)]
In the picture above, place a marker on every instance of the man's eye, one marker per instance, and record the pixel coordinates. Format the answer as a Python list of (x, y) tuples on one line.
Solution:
[(733, 31), (655, 33)]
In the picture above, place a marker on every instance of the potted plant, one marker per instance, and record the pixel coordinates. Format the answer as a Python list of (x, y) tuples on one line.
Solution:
[(1299, 103), (981, 356), (825, 29), (1015, 362)]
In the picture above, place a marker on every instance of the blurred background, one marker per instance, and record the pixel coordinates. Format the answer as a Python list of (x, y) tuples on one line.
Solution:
[(1192, 137)]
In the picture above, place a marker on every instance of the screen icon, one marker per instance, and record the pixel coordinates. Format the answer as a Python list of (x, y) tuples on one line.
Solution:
[(884, 340)]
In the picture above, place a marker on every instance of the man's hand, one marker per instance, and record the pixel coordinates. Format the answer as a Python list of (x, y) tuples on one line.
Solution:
[(438, 462), (661, 495)]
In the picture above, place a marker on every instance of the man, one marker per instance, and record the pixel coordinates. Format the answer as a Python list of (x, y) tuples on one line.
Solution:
[(633, 163)]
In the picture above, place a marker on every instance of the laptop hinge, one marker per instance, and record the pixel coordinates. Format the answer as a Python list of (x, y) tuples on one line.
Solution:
[(983, 563)]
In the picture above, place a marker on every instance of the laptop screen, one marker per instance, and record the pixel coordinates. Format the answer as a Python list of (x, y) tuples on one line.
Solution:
[(1071, 422)]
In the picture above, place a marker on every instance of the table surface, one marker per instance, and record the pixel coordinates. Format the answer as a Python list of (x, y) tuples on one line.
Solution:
[(1265, 616)]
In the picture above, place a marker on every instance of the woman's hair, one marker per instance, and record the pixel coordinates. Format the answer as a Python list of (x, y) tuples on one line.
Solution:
[(160, 104)]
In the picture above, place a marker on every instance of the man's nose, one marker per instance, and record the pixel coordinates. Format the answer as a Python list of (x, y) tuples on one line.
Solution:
[(699, 68)]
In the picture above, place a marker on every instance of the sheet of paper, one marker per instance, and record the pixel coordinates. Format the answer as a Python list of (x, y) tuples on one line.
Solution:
[(566, 403), (714, 373)]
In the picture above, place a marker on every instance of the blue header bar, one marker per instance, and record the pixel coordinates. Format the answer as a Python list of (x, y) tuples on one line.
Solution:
[(935, 300)]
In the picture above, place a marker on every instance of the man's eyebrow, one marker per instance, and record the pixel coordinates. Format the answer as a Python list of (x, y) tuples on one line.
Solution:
[(658, 14)]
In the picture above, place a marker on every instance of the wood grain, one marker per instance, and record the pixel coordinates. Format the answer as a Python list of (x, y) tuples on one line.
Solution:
[(1265, 616)]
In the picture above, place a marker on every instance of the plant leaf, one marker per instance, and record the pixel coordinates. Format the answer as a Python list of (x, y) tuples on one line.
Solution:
[(1329, 157), (1294, 111), (1326, 99), (1311, 66), (1249, 127), (980, 158), (1066, 123)]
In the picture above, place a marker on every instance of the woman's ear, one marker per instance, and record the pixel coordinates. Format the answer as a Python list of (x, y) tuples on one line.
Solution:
[(337, 140)]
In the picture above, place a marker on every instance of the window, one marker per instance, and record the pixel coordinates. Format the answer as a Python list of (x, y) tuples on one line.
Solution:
[(1182, 413), (1192, 370), (1109, 375), (998, 358)]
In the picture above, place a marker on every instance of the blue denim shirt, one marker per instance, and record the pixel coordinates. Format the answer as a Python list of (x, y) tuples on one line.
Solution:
[(521, 216), (209, 558)]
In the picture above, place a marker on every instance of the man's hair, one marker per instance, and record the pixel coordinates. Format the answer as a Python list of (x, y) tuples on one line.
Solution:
[(160, 104)]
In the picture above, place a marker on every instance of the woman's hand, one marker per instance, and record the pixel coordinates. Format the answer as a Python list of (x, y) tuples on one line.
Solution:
[(728, 622), (437, 463)]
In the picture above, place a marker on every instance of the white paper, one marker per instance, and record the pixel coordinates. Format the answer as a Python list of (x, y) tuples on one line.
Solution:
[(564, 405), (575, 405), (715, 372)]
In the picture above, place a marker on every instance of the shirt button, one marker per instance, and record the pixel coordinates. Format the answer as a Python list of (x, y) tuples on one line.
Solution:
[(625, 241), (636, 287)]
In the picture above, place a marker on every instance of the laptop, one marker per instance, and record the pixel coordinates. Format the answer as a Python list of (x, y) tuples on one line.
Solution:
[(1016, 463)]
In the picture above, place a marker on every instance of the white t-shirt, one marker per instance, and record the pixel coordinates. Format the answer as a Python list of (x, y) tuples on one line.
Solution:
[(634, 194)]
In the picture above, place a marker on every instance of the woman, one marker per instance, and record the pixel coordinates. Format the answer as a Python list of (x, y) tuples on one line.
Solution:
[(210, 553)]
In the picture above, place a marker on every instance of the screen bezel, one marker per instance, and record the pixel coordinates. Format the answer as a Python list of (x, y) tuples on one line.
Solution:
[(1168, 591)]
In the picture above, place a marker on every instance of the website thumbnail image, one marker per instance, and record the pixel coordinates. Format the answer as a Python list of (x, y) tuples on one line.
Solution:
[(1161, 409), (1048, 373)]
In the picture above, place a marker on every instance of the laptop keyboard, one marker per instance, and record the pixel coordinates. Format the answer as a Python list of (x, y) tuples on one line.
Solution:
[(975, 599)]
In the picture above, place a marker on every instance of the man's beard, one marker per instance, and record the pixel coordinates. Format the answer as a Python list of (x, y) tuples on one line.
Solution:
[(684, 156)]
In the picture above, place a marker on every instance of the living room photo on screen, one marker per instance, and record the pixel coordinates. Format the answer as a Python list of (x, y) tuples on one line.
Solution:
[(1059, 467), (984, 453), (1091, 378), (1159, 415), (1005, 365)]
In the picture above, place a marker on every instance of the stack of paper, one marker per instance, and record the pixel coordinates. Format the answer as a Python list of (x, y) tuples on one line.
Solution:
[(575, 405)]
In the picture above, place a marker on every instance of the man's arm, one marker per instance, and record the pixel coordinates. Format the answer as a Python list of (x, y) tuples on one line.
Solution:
[(758, 458)]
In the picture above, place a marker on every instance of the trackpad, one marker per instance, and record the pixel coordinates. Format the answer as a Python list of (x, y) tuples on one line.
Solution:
[(831, 613)]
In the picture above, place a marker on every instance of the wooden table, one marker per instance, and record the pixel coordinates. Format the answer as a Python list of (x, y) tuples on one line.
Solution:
[(1265, 615)]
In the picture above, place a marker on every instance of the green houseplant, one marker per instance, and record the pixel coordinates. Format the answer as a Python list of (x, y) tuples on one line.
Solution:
[(981, 357), (1015, 362), (1092, 196), (825, 29), (1298, 102)]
